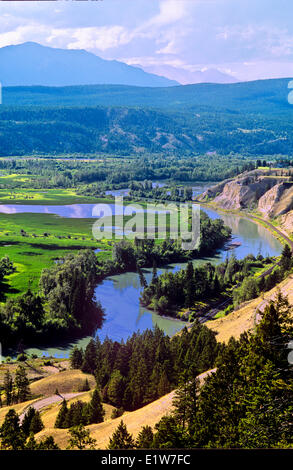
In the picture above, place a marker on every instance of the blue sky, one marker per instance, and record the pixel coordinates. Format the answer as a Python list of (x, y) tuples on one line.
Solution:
[(248, 39)]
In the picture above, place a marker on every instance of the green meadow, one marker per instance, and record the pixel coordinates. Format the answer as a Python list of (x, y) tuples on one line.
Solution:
[(46, 197), (35, 241)]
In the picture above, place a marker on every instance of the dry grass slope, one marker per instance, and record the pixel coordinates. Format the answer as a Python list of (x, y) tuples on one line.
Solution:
[(244, 319), (135, 420), (148, 415), (66, 382), (49, 414)]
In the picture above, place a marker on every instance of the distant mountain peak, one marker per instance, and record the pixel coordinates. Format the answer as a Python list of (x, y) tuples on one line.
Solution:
[(185, 77), (31, 63)]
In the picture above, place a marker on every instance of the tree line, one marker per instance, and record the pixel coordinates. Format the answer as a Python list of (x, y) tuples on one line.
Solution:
[(234, 279), (64, 306), (147, 366), (245, 402)]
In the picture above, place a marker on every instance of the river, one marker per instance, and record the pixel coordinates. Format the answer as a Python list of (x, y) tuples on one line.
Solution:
[(119, 294)]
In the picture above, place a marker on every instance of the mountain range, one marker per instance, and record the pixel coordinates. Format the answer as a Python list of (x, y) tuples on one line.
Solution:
[(185, 77), (33, 64), (262, 96), (251, 118)]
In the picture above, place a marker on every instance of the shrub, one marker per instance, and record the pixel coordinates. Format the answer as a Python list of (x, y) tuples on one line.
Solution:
[(21, 357), (117, 412)]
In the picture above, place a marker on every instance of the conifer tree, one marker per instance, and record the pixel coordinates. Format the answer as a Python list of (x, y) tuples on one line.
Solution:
[(145, 438), (116, 388), (142, 278), (155, 273), (8, 387), (169, 435), (185, 400), (89, 364), (62, 415), (286, 258), (36, 423), (76, 358), (121, 439), (22, 384), (48, 444), (95, 409), (12, 437), (80, 438), (164, 386), (26, 422)]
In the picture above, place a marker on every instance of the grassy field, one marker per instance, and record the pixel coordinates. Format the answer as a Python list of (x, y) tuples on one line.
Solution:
[(148, 415), (46, 197), (65, 381), (35, 241), (50, 413), (37, 368)]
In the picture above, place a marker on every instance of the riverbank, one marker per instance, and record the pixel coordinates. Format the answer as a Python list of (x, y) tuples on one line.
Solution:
[(276, 230), (119, 294), (244, 318)]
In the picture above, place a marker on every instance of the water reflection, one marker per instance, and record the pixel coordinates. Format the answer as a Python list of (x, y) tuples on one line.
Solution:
[(119, 294)]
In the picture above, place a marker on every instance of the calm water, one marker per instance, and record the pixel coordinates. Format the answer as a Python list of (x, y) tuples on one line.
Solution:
[(198, 187), (119, 295)]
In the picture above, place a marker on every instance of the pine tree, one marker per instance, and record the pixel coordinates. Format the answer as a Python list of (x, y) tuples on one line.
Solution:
[(36, 423), (80, 438), (116, 387), (62, 415), (142, 278), (26, 422), (77, 414), (164, 386), (48, 444), (168, 435), (95, 410), (286, 258), (89, 364), (12, 437), (31, 443), (139, 377), (22, 384), (8, 387), (145, 438), (76, 358), (185, 401), (155, 273), (121, 439)]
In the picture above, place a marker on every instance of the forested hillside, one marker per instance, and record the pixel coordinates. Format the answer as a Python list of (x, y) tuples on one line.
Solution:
[(30, 130), (261, 96)]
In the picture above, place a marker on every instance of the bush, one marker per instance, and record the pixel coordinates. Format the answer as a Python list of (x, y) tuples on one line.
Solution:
[(117, 412), (85, 386), (48, 363), (21, 357)]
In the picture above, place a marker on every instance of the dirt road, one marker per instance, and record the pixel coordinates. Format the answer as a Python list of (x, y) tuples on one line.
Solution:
[(43, 402)]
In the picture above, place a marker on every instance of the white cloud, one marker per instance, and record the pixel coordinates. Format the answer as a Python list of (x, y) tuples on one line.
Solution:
[(91, 38), (170, 11), (187, 34)]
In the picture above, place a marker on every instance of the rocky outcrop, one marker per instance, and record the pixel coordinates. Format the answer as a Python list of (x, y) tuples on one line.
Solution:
[(287, 222), (243, 193), (267, 202), (213, 191), (234, 196), (271, 194)]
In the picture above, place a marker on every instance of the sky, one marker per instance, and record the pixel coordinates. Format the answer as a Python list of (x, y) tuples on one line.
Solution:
[(247, 39)]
